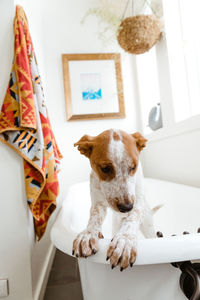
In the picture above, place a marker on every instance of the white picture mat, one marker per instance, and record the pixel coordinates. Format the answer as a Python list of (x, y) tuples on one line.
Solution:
[(106, 69)]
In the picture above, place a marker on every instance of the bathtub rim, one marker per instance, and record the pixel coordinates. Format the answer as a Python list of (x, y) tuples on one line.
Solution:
[(150, 251)]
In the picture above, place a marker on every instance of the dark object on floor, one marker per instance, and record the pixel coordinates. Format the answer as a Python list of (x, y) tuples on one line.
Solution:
[(159, 234), (64, 280), (189, 279)]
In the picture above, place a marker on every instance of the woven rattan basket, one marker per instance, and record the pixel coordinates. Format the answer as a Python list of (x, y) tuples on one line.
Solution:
[(140, 33)]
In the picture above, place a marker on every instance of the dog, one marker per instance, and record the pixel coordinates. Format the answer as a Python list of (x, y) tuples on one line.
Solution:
[(116, 181)]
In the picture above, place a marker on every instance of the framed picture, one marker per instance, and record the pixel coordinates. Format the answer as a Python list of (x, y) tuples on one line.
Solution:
[(93, 86)]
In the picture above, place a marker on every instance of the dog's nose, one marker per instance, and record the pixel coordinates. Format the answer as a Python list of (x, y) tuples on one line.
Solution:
[(125, 207)]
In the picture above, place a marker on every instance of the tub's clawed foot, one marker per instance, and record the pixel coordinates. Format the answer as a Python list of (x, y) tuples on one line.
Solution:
[(122, 252), (86, 244)]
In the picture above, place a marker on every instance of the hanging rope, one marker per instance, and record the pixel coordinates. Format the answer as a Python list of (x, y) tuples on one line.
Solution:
[(126, 7)]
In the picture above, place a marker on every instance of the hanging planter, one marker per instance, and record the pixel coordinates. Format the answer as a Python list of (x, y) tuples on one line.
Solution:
[(137, 33), (140, 33)]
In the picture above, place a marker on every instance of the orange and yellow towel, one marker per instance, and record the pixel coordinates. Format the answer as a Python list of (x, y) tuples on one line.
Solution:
[(25, 126)]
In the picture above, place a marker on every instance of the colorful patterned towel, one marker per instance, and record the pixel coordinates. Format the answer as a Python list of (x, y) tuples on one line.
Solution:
[(25, 126)]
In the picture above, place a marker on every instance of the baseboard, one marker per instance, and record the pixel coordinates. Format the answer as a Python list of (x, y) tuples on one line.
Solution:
[(42, 282)]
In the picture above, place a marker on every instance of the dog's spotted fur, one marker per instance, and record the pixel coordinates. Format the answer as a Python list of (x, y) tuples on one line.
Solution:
[(117, 181)]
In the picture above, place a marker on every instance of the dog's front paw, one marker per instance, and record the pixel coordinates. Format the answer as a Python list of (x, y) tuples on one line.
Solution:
[(86, 243), (122, 250)]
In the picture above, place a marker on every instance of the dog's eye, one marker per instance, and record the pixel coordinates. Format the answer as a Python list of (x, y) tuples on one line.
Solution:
[(132, 169), (106, 169)]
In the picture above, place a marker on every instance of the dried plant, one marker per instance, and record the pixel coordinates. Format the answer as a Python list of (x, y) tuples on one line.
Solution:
[(107, 17)]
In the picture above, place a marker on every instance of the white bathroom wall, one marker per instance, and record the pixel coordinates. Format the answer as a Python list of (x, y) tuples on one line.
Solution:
[(15, 261), (175, 158), (67, 35), (55, 29)]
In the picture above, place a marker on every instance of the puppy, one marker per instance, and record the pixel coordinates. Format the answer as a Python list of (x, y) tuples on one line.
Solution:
[(116, 181)]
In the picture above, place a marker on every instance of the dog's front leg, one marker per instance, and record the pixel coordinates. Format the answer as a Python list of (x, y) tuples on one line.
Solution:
[(87, 242), (123, 247)]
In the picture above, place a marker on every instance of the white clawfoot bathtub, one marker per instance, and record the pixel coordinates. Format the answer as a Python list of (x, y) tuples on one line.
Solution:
[(152, 277)]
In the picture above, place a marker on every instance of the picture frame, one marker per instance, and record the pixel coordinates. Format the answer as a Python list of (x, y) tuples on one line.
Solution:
[(93, 86)]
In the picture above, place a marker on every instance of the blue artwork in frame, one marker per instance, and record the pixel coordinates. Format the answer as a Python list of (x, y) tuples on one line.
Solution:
[(91, 86)]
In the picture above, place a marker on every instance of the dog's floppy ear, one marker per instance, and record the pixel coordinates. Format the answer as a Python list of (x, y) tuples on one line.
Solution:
[(85, 145), (140, 140)]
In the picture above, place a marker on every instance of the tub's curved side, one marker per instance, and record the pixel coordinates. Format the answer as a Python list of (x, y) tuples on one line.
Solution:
[(150, 251)]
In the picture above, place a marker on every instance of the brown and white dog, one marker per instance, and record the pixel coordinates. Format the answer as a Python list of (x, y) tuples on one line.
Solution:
[(116, 181)]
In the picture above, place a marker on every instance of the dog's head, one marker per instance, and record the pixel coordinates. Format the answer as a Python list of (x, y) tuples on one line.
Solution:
[(114, 157)]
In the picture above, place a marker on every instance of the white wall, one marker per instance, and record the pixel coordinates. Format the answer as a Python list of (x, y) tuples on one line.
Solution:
[(55, 29), (176, 158), (14, 250), (67, 35)]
